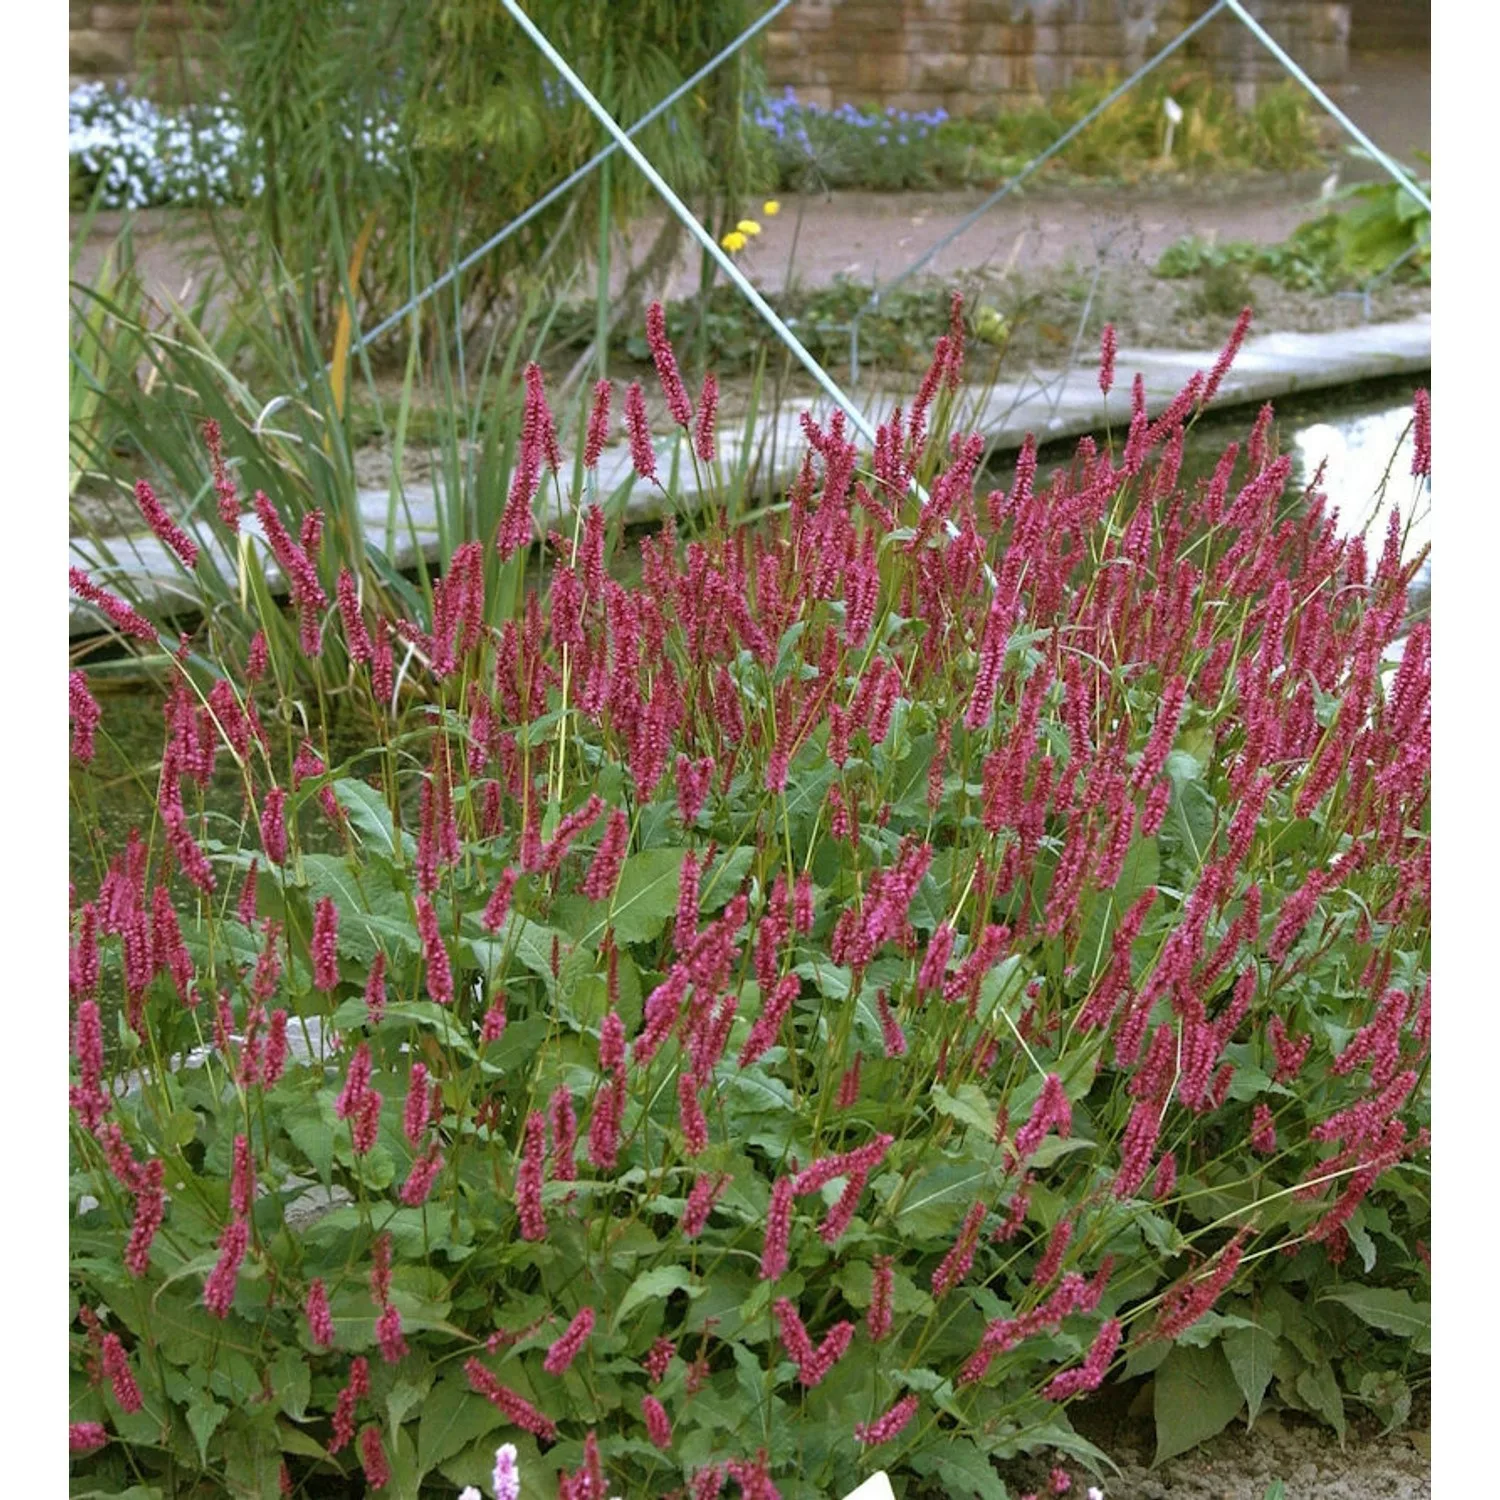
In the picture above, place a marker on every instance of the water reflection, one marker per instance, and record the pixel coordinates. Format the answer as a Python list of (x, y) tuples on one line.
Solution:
[(1367, 473)]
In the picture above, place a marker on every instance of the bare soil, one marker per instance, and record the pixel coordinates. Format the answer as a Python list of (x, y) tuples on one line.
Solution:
[(1242, 1465)]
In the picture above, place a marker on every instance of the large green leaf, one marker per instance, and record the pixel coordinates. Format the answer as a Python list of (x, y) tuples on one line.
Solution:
[(649, 1285), (1387, 1308), (968, 1105), (939, 1197), (1319, 1388), (964, 1469), (527, 942), (1196, 1396), (646, 895), (1251, 1353), (453, 1416), (1141, 869), (369, 814), (372, 912)]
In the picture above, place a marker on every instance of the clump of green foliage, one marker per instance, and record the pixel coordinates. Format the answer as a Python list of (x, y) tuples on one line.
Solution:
[(819, 1007)]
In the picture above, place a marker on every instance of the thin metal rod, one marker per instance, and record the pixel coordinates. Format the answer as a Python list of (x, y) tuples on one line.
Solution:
[(1292, 67), (974, 216), (686, 219), (571, 180)]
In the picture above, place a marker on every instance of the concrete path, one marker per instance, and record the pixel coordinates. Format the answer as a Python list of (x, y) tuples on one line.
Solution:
[(1066, 405)]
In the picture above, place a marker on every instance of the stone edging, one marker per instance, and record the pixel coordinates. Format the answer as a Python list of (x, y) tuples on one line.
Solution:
[(1276, 364)]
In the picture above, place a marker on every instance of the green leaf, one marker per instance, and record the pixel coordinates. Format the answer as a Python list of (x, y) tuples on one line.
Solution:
[(1387, 1308), (291, 1379), (369, 905), (368, 812), (1141, 868), (724, 878), (453, 1416), (661, 1282), (646, 895), (939, 1197), (1195, 1397), (968, 1106), (1319, 1387), (1191, 812), (523, 939), (203, 1417), (964, 1469), (1251, 1352)]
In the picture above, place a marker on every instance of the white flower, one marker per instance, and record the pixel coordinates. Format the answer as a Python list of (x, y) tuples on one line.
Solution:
[(507, 1477), (1095, 1493), (469, 1493)]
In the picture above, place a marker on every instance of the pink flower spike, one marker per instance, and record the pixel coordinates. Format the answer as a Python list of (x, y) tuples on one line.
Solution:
[(642, 455), (498, 907), (319, 1318), (506, 1401), (1108, 347), (325, 944), (529, 1179), (658, 1424), (1421, 458), (273, 825), (116, 1369), (125, 619), (85, 714), (372, 1459), (375, 990), (773, 1260), (598, 428), (882, 1286), (164, 526), (85, 1437), (885, 1427), (665, 361), (389, 1335), (439, 972), (708, 408), (565, 1350), (219, 1288)]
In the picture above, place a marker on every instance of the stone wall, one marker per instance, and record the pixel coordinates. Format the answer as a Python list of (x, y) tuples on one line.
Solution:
[(160, 37), (968, 56), (973, 56)]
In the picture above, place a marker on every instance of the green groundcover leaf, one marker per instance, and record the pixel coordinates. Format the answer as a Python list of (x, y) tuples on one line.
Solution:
[(1196, 1396), (1387, 1308)]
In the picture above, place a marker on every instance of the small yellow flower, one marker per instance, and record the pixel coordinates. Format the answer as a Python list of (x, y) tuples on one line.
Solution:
[(733, 241), (748, 226), (770, 208)]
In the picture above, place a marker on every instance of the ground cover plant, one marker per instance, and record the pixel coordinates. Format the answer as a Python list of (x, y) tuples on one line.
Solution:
[(1382, 233), (141, 154), (819, 1007), (849, 146)]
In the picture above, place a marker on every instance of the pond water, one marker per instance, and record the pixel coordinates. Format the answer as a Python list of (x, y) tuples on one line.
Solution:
[(1362, 433)]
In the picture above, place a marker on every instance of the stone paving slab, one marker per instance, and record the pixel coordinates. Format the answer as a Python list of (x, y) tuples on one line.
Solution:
[(1050, 407)]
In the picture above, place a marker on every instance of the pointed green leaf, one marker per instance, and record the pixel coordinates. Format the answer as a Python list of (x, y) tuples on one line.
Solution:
[(1195, 1397), (661, 1282), (1388, 1308), (1251, 1353)]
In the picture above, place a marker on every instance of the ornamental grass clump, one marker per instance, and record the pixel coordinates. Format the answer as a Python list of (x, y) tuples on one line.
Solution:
[(805, 1012)]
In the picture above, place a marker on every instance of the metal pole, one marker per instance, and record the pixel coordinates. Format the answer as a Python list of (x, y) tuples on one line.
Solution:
[(685, 218), (1287, 62), (553, 194)]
